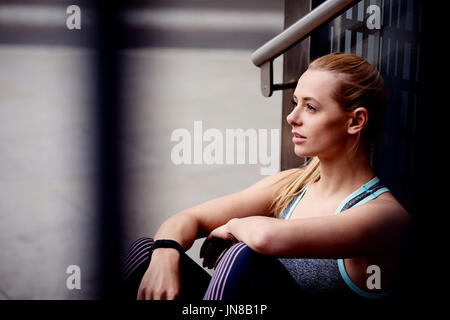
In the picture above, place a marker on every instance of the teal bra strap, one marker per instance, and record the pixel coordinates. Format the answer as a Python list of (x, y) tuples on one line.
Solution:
[(367, 186), (373, 195), (291, 209), (370, 195)]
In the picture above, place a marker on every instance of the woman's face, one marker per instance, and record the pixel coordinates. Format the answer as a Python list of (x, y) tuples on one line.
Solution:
[(319, 124)]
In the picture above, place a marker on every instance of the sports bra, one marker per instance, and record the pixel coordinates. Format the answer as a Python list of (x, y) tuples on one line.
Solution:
[(327, 276)]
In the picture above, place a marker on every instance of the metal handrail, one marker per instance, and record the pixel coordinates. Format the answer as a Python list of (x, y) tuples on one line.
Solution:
[(263, 57)]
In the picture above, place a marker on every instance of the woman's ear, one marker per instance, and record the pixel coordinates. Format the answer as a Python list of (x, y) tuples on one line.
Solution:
[(358, 120)]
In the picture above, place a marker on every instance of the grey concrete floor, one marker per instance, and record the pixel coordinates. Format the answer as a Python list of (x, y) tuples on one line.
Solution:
[(46, 199)]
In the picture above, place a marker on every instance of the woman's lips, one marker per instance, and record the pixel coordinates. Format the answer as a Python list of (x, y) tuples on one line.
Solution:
[(298, 138)]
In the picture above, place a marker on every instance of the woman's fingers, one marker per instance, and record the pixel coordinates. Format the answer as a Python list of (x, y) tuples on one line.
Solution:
[(205, 254), (205, 245), (208, 254), (140, 295), (212, 250)]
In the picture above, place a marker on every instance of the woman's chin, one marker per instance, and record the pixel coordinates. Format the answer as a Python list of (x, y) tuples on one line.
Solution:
[(302, 152)]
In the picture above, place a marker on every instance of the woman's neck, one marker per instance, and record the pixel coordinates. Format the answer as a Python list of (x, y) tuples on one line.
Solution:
[(344, 173)]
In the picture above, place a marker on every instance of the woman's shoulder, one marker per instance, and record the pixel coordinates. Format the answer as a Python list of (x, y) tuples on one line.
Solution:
[(387, 199), (383, 222), (389, 209)]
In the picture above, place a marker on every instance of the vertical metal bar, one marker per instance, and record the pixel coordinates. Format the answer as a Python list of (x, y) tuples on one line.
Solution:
[(295, 62), (349, 14), (348, 41), (267, 78), (388, 57), (108, 118), (337, 27), (331, 38), (360, 44), (376, 41), (361, 11), (396, 59)]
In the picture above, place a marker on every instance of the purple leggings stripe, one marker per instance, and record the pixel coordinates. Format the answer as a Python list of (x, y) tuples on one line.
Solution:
[(136, 245), (139, 261), (137, 250), (139, 255), (224, 281), (217, 284), (219, 269)]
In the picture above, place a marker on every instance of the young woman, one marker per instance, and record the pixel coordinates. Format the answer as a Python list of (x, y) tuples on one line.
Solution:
[(328, 229)]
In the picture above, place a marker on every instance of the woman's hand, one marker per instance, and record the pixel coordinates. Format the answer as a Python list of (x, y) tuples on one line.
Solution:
[(215, 244), (223, 232), (162, 279)]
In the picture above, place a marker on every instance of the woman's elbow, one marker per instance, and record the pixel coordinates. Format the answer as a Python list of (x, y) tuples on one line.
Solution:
[(260, 242)]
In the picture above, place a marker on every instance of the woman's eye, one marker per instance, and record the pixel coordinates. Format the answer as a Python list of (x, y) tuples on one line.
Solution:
[(310, 107)]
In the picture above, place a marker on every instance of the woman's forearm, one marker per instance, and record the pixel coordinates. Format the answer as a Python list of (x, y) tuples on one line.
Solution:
[(181, 227), (253, 231)]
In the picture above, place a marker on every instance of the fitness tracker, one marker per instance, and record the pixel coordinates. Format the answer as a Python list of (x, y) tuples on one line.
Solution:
[(167, 244)]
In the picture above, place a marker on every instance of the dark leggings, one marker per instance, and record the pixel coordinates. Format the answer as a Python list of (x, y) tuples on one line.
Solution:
[(241, 274)]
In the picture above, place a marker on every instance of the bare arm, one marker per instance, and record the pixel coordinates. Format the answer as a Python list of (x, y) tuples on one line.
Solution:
[(377, 227), (200, 220), (162, 278)]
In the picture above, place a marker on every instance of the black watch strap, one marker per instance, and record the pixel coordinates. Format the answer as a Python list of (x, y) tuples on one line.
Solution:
[(166, 244)]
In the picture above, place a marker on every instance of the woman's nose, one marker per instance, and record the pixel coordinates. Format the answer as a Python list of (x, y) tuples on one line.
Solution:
[(293, 118)]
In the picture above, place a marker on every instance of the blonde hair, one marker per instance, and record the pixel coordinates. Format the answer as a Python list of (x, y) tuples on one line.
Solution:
[(360, 85)]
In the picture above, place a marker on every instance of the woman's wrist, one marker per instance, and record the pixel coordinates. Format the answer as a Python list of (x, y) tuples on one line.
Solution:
[(166, 253), (229, 224), (231, 228)]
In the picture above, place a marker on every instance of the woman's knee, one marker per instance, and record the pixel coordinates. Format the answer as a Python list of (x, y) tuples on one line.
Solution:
[(245, 273), (234, 257), (231, 272)]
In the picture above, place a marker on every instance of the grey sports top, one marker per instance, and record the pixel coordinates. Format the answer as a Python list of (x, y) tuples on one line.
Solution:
[(328, 277)]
